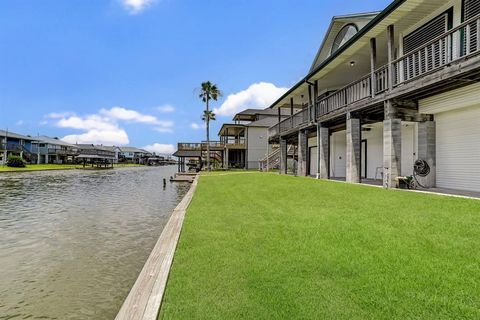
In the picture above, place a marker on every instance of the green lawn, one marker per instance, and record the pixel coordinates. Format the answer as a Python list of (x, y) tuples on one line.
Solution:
[(265, 246), (38, 167)]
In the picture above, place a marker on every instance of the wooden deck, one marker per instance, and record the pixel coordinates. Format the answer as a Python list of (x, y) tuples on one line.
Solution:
[(145, 297)]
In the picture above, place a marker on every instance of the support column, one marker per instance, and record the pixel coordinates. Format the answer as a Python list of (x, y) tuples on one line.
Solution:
[(323, 145), (302, 153), (46, 158), (427, 150), (283, 156), (391, 55), (354, 147), (226, 159), (373, 65), (392, 146)]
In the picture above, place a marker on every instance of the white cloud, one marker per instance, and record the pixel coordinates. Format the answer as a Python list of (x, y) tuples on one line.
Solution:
[(116, 137), (257, 96), (160, 148), (120, 113), (19, 122), (166, 108), (58, 115), (104, 126), (136, 6), (197, 126)]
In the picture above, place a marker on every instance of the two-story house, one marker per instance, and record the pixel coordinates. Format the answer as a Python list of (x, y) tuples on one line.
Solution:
[(53, 150), (246, 140), (15, 144), (391, 94)]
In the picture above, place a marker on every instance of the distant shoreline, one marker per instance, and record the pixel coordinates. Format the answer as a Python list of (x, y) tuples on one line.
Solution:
[(57, 167)]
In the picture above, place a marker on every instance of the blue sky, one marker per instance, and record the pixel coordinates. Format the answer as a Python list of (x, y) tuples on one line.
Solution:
[(127, 72)]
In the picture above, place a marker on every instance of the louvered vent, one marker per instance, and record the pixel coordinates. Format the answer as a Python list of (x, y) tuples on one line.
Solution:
[(417, 63), (472, 8)]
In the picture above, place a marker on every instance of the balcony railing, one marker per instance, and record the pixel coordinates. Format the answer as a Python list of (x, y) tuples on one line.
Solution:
[(457, 43), (11, 147), (189, 146)]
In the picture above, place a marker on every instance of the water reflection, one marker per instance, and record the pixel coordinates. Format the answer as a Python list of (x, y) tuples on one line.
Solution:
[(73, 242)]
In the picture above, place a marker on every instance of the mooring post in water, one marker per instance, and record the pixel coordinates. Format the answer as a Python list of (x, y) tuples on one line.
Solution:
[(164, 182)]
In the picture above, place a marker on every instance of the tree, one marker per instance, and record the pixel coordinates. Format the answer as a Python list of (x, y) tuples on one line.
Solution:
[(208, 91)]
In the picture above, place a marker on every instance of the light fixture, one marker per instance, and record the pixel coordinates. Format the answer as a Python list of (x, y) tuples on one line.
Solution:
[(352, 63)]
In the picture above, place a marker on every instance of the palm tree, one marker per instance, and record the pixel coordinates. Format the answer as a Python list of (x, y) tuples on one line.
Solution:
[(208, 91)]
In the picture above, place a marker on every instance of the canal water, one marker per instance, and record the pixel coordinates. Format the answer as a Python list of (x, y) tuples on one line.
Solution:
[(72, 243)]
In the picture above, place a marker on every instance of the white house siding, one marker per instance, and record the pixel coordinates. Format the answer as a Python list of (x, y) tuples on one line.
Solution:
[(338, 147), (457, 117), (257, 144)]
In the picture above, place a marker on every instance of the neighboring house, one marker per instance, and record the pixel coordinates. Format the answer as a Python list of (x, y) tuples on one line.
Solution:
[(134, 155), (246, 141), (387, 89), (15, 144), (95, 154), (53, 150)]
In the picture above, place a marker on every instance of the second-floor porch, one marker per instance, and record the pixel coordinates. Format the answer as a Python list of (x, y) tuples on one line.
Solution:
[(444, 62)]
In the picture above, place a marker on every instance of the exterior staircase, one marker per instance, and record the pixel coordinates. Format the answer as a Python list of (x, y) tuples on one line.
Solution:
[(272, 161)]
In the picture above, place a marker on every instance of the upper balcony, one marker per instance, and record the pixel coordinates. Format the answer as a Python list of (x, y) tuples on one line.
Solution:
[(430, 65)]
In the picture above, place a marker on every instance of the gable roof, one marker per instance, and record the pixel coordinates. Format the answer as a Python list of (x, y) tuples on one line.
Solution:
[(54, 141), (360, 20), (371, 25)]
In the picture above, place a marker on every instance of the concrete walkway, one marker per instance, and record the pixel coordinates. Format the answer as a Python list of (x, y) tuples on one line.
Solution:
[(145, 297)]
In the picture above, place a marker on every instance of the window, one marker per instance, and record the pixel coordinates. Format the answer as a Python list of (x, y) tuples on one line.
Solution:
[(345, 34)]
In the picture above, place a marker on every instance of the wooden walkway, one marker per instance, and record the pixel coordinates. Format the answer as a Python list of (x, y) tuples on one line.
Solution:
[(145, 297)]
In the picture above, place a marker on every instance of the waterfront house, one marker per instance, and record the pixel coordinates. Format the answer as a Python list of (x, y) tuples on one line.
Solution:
[(387, 91), (134, 155), (242, 144), (246, 140), (15, 144), (95, 154), (53, 150)]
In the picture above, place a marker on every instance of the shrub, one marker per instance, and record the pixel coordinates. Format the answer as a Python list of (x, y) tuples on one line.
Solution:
[(16, 162)]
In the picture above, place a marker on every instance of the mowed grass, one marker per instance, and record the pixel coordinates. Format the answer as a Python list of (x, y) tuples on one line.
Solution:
[(266, 246), (39, 167)]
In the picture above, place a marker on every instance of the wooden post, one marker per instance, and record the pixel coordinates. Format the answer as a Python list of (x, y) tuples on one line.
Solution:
[(373, 65), (279, 117), (391, 53), (315, 95), (310, 103)]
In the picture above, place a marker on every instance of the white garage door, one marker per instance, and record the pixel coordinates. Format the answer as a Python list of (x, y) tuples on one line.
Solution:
[(458, 149)]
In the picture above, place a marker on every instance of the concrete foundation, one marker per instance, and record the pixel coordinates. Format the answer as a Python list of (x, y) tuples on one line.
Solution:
[(427, 151), (302, 153), (392, 151), (283, 156), (323, 141), (354, 147)]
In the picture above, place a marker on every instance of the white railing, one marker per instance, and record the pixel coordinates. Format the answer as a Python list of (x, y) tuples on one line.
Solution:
[(381, 79), (457, 43)]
